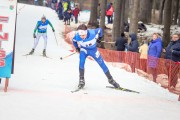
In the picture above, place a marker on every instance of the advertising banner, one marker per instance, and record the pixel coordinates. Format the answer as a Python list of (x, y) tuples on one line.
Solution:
[(7, 36)]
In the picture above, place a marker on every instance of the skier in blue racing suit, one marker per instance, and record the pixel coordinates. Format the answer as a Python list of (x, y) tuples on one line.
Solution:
[(87, 40)]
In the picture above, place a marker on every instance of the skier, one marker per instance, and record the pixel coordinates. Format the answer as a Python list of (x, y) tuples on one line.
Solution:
[(87, 39), (41, 29)]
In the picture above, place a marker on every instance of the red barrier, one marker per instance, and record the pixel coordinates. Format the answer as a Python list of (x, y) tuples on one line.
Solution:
[(159, 70)]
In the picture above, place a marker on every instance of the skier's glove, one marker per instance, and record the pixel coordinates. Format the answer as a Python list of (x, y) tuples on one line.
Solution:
[(53, 30), (34, 35), (78, 50), (99, 39)]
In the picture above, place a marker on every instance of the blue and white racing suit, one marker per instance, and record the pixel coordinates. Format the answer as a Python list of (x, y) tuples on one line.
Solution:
[(88, 48)]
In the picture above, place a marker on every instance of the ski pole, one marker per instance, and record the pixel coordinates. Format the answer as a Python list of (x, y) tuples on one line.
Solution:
[(56, 39), (61, 58)]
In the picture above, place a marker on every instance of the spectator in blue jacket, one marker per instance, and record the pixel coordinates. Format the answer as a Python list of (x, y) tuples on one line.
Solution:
[(60, 10), (67, 16), (173, 53), (173, 49), (154, 52), (133, 45)]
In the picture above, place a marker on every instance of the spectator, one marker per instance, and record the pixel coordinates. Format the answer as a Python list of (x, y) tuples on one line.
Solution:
[(60, 10), (72, 5), (76, 13), (53, 4), (48, 2), (36, 2), (120, 42), (65, 6), (109, 13), (154, 52), (173, 49), (143, 50), (67, 16), (173, 53), (133, 45)]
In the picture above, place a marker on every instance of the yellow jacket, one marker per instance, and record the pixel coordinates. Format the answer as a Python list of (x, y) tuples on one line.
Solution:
[(143, 50), (65, 6)]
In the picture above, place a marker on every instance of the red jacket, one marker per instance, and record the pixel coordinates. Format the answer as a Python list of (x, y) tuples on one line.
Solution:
[(76, 12), (110, 11)]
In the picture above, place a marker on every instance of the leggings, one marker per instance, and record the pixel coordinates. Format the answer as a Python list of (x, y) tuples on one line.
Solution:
[(36, 41)]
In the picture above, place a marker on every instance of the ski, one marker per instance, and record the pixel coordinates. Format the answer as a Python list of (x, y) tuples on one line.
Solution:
[(76, 90), (46, 56), (123, 89), (40, 55), (26, 54)]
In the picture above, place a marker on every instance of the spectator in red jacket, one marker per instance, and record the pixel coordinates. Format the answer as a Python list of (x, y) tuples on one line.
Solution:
[(109, 13), (76, 13)]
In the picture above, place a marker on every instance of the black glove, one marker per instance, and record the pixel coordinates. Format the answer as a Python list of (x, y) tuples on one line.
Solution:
[(34, 35), (78, 50), (99, 39), (53, 30)]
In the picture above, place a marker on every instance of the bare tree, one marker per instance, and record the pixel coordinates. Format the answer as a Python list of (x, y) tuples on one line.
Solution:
[(126, 11), (145, 10), (167, 22), (122, 15), (161, 11), (103, 5), (176, 12), (179, 19), (93, 16), (134, 17), (117, 19), (154, 7)]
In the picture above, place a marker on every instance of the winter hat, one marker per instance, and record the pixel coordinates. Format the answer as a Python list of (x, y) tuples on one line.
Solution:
[(43, 17)]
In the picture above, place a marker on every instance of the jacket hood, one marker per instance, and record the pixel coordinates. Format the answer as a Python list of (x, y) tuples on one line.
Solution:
[(133, 36)]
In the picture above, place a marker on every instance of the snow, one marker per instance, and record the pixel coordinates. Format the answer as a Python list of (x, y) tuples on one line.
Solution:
[(41, 87)]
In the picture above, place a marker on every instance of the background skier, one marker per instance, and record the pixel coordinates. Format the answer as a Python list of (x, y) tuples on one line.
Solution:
[(41, 29)]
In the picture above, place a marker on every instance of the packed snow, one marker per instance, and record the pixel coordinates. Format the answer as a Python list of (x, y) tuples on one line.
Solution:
[(41, 87)]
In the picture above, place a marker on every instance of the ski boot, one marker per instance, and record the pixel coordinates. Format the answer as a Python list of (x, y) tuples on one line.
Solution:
[(114, 83), (111, 80), (81, 83), (44, 52), (81, 78), (32, 51)]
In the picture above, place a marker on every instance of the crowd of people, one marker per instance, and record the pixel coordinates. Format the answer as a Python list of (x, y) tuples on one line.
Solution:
[(151, 51), (67, 10)]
